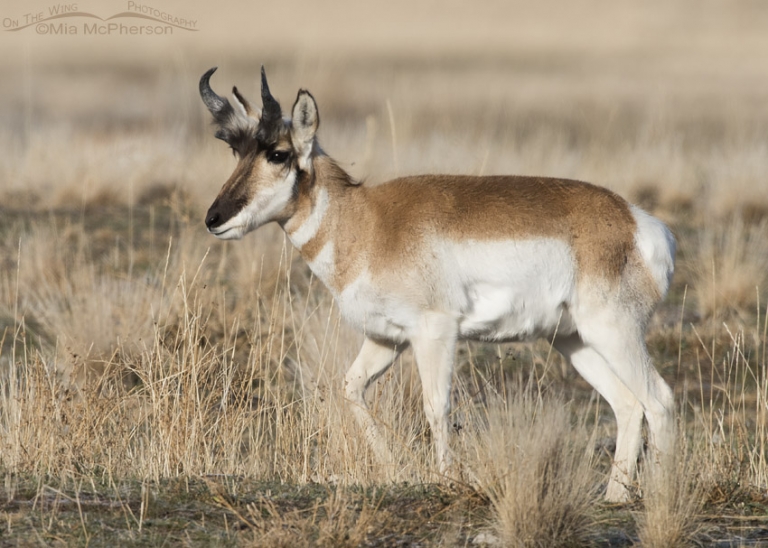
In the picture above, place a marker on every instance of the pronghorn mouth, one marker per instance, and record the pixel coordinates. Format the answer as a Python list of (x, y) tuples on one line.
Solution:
[(222, 233)]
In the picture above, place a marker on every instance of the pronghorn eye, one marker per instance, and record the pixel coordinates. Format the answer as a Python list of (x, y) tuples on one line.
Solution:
[(278, 156)]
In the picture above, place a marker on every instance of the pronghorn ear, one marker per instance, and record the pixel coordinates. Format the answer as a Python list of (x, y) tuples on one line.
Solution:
[(244, 106), (304, 121)]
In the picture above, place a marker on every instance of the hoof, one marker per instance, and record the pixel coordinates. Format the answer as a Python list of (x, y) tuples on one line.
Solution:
[(618, 493)]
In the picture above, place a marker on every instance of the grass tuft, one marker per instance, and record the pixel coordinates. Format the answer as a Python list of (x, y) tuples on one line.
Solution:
[(672, 501), (536, 467)]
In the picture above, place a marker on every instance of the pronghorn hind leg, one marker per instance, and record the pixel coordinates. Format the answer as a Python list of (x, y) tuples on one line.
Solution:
[(372, 361), (622, 345), (434, 346), (626, 407)]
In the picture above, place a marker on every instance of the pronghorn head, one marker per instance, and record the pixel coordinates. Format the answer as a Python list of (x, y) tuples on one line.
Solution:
[(274, 158)]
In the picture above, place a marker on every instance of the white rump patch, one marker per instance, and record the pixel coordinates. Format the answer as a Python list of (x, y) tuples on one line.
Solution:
[(657, 246)]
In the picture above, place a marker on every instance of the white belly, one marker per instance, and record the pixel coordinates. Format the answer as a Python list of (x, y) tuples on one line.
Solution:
[(518, 291), (495, 291), (504, 314)]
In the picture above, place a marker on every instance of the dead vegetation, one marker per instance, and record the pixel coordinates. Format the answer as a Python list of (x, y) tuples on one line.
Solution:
[(157, 385)]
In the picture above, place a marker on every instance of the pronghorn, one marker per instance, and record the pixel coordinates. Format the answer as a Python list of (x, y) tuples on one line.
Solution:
[(429, 260)]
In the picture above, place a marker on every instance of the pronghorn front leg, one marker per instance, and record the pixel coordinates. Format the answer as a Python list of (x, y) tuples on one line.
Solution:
[(373, 360), (434, 346)]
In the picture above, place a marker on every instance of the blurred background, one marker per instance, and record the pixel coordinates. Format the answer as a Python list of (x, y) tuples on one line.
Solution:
[(666, 100), (135, 345)]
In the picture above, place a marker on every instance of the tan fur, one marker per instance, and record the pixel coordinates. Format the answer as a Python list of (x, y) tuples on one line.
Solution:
[(378, 226), (576, 264)]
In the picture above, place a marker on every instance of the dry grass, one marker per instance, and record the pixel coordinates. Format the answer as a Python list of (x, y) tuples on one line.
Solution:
[(673, 495), (334, 522), (184, 377), (731, 267), (536, 467), (138, 352)]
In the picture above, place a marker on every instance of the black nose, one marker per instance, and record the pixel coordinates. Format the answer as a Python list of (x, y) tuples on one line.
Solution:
[(212, 219)]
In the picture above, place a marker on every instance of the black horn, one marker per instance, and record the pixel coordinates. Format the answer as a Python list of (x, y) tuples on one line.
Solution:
[(219, 106), (271, 114)]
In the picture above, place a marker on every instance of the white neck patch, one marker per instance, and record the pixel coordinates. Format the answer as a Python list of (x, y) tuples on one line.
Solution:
[(311, 224), (323, 265)]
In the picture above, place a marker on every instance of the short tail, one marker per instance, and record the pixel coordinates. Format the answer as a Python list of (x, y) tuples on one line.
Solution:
[(657, 246)]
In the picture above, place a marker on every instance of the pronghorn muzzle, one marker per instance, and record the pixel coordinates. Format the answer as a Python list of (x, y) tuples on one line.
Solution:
[(251, 133), (214, 217)]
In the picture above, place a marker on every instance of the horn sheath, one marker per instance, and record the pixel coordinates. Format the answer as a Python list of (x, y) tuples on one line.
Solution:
[(272, 112), (219, 106)]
